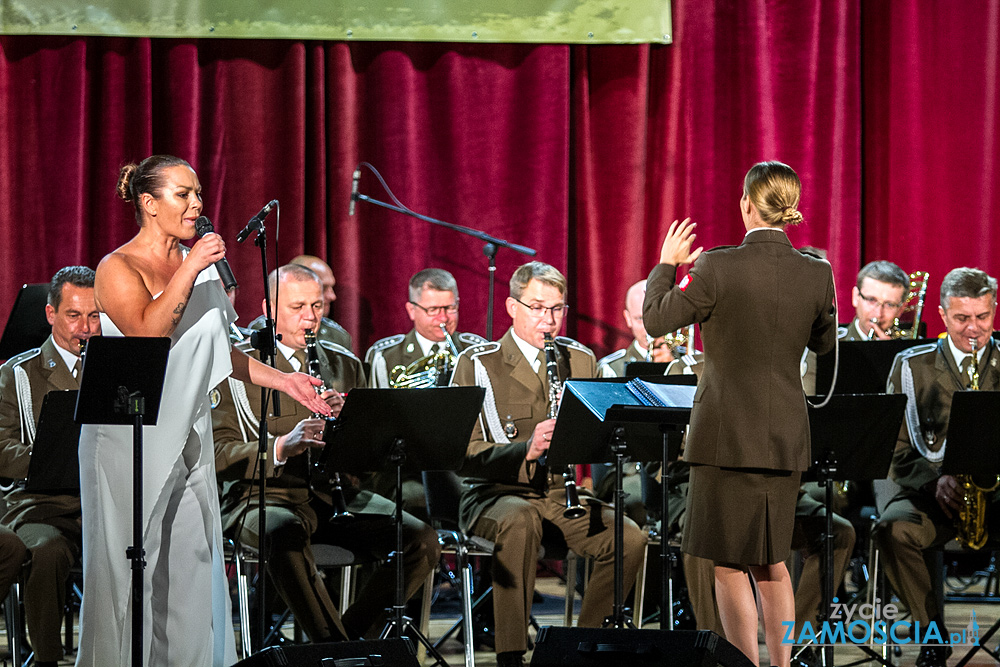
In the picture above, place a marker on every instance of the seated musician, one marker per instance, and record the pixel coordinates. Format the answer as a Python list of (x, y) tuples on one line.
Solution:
[(432, 302), (328, 329), (924, 512), (48, 524), (299, 504), (510, 494), (613, 365)]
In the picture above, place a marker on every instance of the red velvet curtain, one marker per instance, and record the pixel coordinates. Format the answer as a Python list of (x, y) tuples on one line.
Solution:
[(585, 152), (931, 125)]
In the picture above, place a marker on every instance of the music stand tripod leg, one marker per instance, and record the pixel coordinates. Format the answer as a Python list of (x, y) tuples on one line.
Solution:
[(400, 624), (619, 615)]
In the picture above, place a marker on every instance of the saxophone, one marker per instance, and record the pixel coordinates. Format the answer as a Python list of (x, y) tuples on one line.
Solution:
[(574, 510), (971, 522), (340, 512)]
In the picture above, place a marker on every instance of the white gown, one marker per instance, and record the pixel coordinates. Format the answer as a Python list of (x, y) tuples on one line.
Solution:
[(187, 612)]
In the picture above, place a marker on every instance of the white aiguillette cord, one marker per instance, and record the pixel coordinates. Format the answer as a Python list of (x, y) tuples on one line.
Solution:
[(836, 350)]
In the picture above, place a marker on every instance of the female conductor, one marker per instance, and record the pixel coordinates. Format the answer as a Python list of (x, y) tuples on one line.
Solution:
[(759, 305)]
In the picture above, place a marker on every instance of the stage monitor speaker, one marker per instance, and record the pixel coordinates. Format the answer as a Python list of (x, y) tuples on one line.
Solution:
[(375, 653), (580, 647)]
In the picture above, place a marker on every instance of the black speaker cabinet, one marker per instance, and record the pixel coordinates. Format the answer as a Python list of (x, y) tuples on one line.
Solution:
[(376, 653), (621, 647)]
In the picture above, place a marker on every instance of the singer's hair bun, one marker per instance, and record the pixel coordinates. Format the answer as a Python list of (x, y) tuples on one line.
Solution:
[(125, 181)]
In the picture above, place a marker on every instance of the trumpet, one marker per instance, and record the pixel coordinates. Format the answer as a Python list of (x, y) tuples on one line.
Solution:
[(574, 510), (433, 370), (340, 512)]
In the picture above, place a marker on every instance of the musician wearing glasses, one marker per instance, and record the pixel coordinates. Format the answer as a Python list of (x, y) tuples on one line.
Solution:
[(328, 329), (432, 306), (48, 524), (643, 348), (424, 357), (878, 300), (300, 505), (924, 512), (510, 494)]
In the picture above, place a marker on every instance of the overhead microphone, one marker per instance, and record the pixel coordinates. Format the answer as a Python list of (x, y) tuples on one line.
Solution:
[(354, 190), (204, 226), (256, 221)]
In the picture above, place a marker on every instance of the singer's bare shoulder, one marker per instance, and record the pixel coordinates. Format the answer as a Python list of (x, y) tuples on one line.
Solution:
[(119, 279)]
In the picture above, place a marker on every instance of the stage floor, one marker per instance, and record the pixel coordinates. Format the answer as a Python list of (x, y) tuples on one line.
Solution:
[(550, 613)]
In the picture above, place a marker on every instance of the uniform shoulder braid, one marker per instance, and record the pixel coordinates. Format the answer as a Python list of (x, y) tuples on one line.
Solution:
[(613, 357), (338, 348), (383, 344), (27, 355), (572, 344), (485, 347), (471, 338)]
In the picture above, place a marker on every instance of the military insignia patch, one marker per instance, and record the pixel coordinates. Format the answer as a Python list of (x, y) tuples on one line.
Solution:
[(509, 429), (685, 282), (215, 396)]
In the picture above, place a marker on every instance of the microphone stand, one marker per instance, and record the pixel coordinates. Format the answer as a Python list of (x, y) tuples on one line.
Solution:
[(490, 249), (264, 341)]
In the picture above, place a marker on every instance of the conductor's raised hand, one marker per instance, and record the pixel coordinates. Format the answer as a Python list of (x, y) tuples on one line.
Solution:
[(208, 250), (302, 388), (540, 439), (677, 244)]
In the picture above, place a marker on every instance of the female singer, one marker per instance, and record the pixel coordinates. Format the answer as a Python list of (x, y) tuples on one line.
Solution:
[(759, 305), (154, 286)]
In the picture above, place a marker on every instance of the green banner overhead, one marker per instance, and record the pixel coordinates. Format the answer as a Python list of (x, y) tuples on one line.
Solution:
[(538, 21)]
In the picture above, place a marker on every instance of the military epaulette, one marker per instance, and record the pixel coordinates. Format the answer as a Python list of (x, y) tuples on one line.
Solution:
[(918, 350), (326, 321), (471, 338), (574, 345), (382, 344), (338, 348), (613, 357), (19, 359), (244, 346), (482, 348)]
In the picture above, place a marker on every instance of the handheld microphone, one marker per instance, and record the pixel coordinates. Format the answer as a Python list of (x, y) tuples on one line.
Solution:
[(354, 190), (256, 221), (204, 226)]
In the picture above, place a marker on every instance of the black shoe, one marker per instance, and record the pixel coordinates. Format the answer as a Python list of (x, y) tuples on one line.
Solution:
[(510, 659), (934, 656)]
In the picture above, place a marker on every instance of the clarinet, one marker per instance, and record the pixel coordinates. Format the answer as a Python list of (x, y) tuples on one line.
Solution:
[(574, 510), (340, 512)]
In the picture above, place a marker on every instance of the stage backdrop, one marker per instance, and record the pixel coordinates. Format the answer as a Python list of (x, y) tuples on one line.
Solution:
[(585, 153)]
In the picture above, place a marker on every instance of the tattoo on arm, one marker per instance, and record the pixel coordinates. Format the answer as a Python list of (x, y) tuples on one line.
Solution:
[(178, 311)]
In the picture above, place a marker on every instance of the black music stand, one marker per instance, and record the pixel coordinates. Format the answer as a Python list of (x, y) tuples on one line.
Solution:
[(411, 429), (55, 463), (864, 365), (971, 446), (121, 383), (27, 326), (641, 369), (607, 420), (853, 438)]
